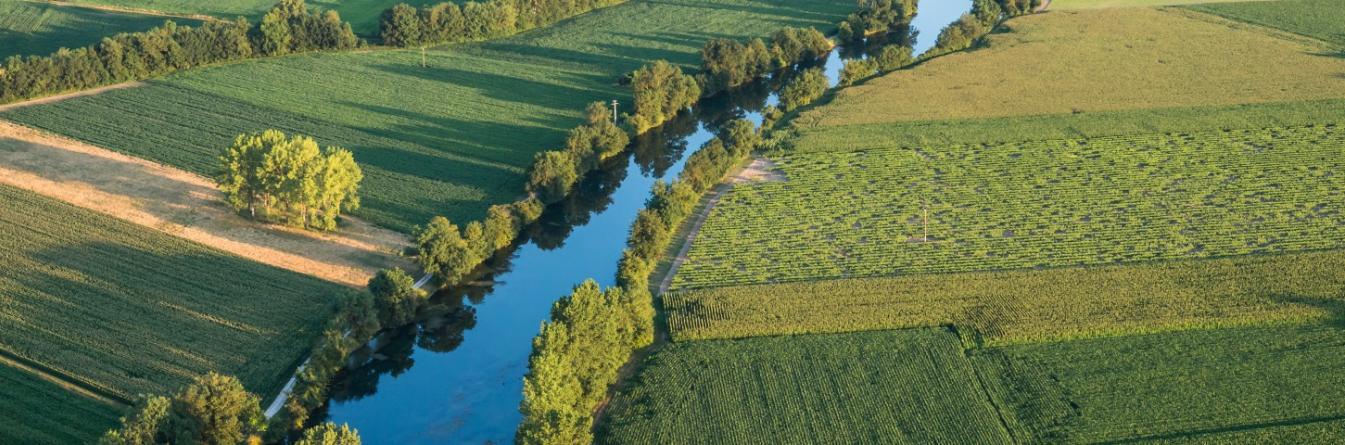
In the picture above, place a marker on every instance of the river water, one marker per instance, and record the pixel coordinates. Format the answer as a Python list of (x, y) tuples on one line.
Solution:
[(457, 375)]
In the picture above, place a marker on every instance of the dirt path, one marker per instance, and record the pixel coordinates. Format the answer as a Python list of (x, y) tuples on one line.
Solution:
[(188, 206), (61, 97)]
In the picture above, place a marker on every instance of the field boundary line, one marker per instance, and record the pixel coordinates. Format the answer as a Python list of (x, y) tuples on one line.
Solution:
[(1186, 11), (128, 10), (690, 238), (71, 95), (62, 379)]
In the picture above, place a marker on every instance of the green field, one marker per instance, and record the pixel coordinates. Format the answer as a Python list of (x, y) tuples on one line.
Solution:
[(363, 15), (1174, 385), (913, 386), (38, 412), (38, 28), (1088, 73), (1028, 205), (1091, 4), (449, 139), (997, 308), (1321, 19), (123, 310)]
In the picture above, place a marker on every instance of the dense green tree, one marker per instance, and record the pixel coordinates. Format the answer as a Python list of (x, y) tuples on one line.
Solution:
[(500, 227), (552, 175), (740, 136), (274, 177), (856, 70), (396, 296), (661, 91), (401, 26), (893, 57), (878, 16), (790, 46), (597, 139), (143, 426), (959, 35), (214, 410), (803, 89), (649, 234), (276, 37), (444, 252), (329, 434), (988, 12), (727, 64)]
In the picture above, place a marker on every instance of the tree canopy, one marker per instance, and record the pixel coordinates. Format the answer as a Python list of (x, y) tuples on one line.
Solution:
[(289, 180)]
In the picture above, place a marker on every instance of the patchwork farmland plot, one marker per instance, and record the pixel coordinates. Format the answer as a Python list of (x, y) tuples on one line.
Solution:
[(1168, 386), (997, 308), (1074, 71), (1039, 204), (39, 412), (123, 310), (842, 389), (1314, 18), (40, 28), (448, 139)]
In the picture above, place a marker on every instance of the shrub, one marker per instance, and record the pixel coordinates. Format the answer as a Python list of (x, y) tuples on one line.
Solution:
[(552, 175), (329, 434), (856, 70), (444, 252), (893, 57), (395, 296), (661, 91)]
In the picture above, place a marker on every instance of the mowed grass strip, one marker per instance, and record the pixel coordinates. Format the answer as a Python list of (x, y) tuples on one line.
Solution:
[(1188, 386), (447, 139), (1321, 19), (40, 28), (127, 311), (913, 386), (1094, 61), (1039, 204), (1000, 308), (38, 412)]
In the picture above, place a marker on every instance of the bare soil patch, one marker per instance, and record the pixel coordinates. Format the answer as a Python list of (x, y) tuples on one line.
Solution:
[(187, 206), (760, 170)]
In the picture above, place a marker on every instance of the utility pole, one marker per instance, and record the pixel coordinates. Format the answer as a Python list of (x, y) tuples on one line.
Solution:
[(422, 57), (614, 111), (926, 218)]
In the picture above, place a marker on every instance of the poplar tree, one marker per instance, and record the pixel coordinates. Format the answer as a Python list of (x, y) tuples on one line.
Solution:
[(276, 178)]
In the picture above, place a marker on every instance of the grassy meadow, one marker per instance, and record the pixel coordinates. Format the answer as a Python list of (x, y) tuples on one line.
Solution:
[(1027, 205), (822, 389), (123, 310), (1174, 386), (40, 28), (1320, 19), (998, 308), (447, 139), (363, 15), (1085, 62), (39, 412)]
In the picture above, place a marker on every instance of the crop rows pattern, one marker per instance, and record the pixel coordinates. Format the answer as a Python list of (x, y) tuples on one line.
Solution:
[(130, 311), (38, 412), (912, 386), (1173, 385), (1028, 205), (37, 28)]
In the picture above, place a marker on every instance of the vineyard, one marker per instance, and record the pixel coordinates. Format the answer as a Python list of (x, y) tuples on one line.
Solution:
[(1028, 205), (997, 308), (1093, 61), (38, 412), (1314, 18), (124, 310), (824, 389), (40, 28), (447, 139), (1166, 386)]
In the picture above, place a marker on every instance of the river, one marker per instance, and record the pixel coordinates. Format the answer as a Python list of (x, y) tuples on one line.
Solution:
[(457, 375)]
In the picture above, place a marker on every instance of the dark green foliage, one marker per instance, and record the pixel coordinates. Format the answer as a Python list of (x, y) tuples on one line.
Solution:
[(445, 252), (791, 45), (28, 28), (726, 64), (396, 296), (214, 409), (661, 91), (449, 22), (890, 387), (353, 326), (803, 89), (1018, 7), (988, 12), (877, 17), (329, 434), (576, 357), (893, 57), (552, 175), (168, 48), (856, 70), (958, 35)]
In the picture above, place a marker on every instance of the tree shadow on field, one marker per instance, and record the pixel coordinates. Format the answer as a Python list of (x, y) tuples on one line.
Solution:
[(1335, 309)]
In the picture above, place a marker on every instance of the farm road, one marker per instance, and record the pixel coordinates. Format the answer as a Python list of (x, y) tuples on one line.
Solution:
[(188, 206)]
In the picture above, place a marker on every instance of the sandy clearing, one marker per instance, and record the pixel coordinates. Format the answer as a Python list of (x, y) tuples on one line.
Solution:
[(187, 206), (61, 97), (760, 170)]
